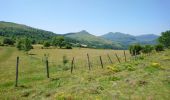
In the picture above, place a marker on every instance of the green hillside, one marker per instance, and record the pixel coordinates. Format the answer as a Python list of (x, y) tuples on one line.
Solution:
[(9, 29), (126, 39), (92, 41), (14, 30)]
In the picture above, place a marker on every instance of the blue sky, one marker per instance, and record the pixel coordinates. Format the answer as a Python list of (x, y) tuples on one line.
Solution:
[(96, 16)]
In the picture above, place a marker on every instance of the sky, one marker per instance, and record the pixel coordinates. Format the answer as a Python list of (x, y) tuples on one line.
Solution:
[(98, 17)]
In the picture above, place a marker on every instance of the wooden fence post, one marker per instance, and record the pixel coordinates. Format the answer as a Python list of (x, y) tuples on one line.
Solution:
[(47, 68), (101, 61), (125, 55), (72, 64), (117, 57), (88, 61), (109, 59), (135, 55), (16, 81)]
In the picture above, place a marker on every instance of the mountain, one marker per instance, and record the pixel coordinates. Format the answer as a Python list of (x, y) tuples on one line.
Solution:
[(121, 38), (112, 40), (126, 39), (14, 30), (147, 37), (90, 40)]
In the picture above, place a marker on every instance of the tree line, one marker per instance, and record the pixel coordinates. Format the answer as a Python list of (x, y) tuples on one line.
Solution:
[(62, 42), (25, 44)]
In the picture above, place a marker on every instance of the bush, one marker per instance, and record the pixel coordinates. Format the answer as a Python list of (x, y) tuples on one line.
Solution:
[(165, 38), (68, 46), (46, 44), (20, 45), (159, 47), (8, 41), (113, 68), (147, 49), (156, 65), (24, 44), (1, 44), (58, 41), (135, 49)]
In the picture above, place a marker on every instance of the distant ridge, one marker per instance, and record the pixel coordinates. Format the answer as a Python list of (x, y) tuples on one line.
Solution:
[(15, 30), (85, 37), (112, 40), (126, 39)]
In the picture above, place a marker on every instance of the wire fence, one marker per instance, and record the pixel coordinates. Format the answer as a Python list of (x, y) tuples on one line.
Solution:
[(86, 62)]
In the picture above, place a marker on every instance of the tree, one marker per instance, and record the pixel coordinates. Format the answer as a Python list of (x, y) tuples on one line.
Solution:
[(20, 45), (147, 49), (24, 44), (159, 47), (46, 44), (68, 46), (135, 49), (165, 38), (54, 41), (27, 44), (8, 41), (58, 41)]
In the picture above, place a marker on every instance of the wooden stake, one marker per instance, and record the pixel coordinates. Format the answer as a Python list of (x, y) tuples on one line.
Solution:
[(135, 55), (16, 81), (117, 58), (109, 59), (101, 61), (125, 55), (47, 68), (88, 61), (72, 64)]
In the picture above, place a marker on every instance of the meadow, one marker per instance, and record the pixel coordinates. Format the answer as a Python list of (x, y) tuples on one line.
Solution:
[(143, 77)]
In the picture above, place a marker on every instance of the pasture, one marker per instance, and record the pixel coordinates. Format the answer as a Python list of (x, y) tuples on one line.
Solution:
[(135, 79)]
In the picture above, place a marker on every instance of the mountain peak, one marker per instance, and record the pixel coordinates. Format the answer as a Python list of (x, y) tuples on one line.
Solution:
[(83, 32)]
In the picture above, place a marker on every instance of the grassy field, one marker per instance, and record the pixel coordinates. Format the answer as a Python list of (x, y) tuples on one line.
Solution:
[(147, 77)]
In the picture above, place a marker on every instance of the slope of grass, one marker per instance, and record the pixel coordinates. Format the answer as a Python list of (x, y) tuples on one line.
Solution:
[(10, 29), (5, 53), (147, 77), (92, 41)]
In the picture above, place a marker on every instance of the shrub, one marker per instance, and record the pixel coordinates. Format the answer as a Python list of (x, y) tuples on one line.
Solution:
[(113, 68), (135, 49), (24, 44), (147, 49), (155, 65), (20, 45), (58, 41), (1, 44), (46, 44), (165, 38), (159, 47), (8, 41), (68, 46)]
